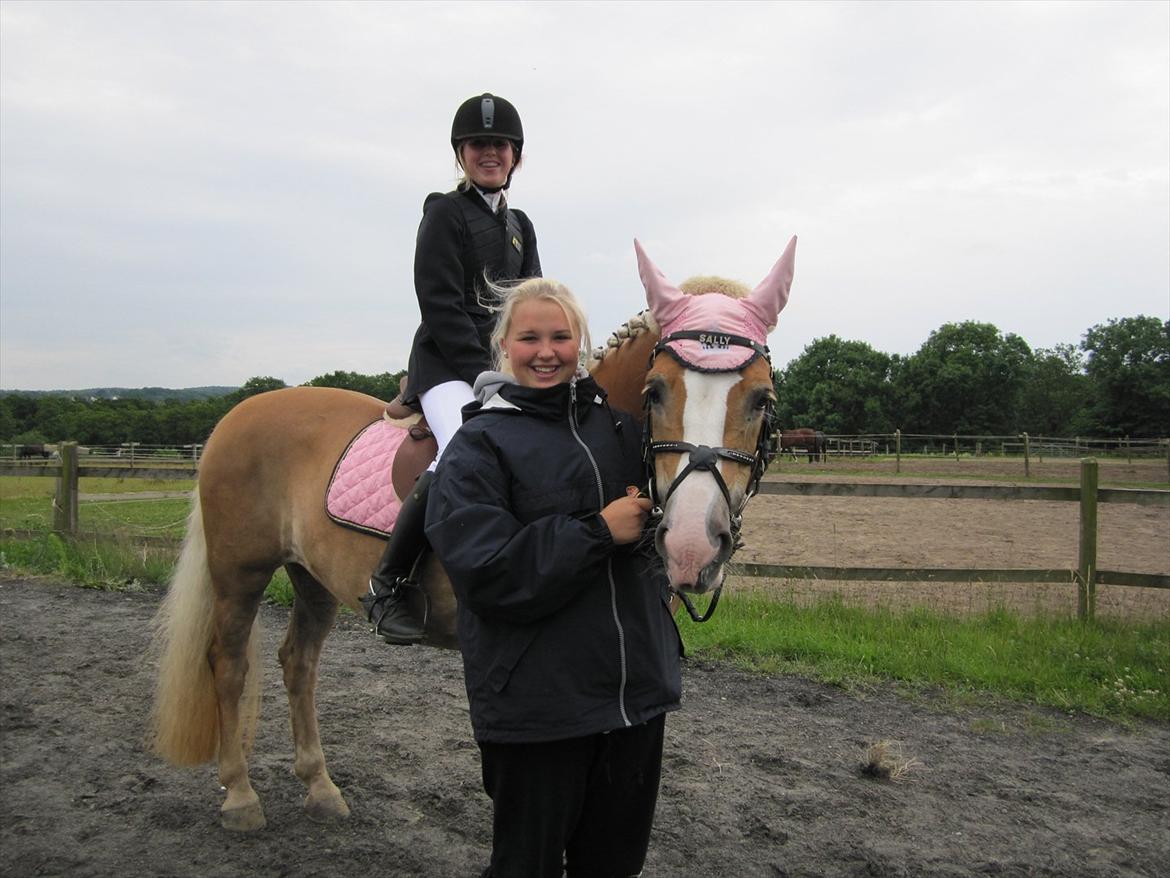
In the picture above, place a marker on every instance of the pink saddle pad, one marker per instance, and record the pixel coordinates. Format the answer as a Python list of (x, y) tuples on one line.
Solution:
[(360, 493)]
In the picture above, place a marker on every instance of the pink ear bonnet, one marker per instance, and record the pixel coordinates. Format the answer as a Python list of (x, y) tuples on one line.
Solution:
[(718, 333)]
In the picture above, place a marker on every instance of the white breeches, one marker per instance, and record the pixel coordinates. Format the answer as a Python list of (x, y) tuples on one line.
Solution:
[(442, 405)]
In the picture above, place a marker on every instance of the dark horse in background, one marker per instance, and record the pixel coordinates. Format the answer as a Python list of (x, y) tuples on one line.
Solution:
[(24, 452), (804, 441)]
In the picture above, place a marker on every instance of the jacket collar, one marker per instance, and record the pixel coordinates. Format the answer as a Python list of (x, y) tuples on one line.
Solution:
[(496, 391)]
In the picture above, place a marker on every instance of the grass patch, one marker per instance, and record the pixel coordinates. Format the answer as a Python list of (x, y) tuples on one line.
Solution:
[(1107, 668), (111, 563), (26, 503), (92, 563)]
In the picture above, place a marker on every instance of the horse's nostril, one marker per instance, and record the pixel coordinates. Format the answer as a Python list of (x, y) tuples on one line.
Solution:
[(725, 546), (660, 540)]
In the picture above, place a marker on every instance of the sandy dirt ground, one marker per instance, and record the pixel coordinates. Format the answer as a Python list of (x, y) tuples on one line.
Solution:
[(762, 776)]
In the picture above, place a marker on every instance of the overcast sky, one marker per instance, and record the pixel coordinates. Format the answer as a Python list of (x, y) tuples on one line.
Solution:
[(199, 193)]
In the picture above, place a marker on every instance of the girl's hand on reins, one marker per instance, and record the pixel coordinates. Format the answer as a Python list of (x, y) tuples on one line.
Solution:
[(626, 516)]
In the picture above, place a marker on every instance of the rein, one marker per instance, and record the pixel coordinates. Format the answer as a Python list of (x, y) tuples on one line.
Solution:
[(704, 458)]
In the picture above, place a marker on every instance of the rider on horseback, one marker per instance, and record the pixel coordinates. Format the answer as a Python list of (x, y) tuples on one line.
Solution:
[(467, 237)]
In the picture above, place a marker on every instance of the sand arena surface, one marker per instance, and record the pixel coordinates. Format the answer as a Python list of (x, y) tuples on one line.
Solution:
[(973, 534), (762, 776)]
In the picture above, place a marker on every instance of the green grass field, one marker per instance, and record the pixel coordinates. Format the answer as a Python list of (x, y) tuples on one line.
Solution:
[(1106, 668), (26, 503), (109, 551)]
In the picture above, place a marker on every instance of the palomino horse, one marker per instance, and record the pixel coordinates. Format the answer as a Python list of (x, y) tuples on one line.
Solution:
[(260, 506)]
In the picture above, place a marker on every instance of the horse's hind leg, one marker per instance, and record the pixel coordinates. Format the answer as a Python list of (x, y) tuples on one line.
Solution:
[(312, 618), (233, 653)]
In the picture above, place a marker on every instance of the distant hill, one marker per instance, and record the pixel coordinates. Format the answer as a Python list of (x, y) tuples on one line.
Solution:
[(154, 394)]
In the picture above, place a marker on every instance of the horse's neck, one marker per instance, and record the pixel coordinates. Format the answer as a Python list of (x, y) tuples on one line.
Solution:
[(622, 371)]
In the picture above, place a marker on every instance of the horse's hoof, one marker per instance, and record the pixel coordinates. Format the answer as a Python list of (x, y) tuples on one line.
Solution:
[(326, 809), (246, 819)]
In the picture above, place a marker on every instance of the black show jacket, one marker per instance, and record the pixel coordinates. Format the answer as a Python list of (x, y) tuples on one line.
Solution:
[(459, 239), (563, 633)]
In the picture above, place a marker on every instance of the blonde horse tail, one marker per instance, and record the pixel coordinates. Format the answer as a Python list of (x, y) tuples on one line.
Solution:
[(184, 722)]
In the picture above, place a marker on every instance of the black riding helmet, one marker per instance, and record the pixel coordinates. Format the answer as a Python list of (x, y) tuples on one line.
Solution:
[(488, 116)]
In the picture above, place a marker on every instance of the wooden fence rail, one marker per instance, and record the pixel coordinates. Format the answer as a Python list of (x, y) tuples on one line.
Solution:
[(1084, 575)]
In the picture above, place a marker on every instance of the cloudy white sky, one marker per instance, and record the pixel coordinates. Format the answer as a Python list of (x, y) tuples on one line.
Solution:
[(199, 193)]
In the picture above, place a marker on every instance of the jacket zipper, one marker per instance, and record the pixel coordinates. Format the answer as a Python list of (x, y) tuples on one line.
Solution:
[(621, 631)]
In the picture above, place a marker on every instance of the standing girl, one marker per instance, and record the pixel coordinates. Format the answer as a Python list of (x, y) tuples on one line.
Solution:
[(570, 652), (468, 238)]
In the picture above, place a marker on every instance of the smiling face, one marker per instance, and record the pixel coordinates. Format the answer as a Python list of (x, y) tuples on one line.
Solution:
[(541, 344), (487, 161)]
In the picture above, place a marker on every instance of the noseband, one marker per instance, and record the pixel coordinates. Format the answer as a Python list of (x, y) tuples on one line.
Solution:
[(704, 458)]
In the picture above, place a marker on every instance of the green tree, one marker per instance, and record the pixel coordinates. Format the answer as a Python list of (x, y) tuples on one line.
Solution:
[(383, 386), (1054, 399), (836, 386), (1128, 364), (253, 386), (966, 378), (17, 413)]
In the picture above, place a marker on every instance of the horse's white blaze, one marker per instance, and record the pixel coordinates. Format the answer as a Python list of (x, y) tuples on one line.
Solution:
[(696, 515)]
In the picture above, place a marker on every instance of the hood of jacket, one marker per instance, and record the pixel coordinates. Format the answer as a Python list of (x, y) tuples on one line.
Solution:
[(495, 391)]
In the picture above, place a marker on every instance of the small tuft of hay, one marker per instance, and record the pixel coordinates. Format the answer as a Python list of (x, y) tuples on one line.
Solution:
[(884, 760)]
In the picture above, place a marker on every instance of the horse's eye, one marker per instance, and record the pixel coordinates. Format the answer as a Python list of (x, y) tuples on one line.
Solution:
[(652, 394)]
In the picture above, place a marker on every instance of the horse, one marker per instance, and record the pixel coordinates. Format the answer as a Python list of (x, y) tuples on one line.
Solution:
[(259, 506), (804, 441)]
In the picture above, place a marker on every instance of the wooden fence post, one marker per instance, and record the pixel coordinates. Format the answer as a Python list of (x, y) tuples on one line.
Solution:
[(898, 452), (65, 503), (1027, 454), (1087, 555)]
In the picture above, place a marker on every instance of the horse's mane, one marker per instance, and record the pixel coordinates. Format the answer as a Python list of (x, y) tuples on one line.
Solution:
[(644, 321), (709, 283), (636, 326)]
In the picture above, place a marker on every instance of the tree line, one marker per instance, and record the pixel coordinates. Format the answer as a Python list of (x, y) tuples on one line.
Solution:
[(967, 378), (27, 419), (971, 379)]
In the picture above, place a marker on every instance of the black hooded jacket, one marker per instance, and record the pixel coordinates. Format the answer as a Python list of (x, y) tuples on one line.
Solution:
[(460, 240), (563, 633)]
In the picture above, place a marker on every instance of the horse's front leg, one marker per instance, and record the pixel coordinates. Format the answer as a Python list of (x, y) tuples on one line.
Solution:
[(233, 649), (312, 618)]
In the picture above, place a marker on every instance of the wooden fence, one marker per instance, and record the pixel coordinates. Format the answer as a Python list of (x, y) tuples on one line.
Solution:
[(1020, 446), (1085, 575)]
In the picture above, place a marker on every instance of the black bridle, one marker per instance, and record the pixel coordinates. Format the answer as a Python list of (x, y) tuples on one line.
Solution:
[(703, 458)]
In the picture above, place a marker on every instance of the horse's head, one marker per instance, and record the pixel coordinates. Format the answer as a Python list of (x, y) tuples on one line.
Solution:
[(708, 398)]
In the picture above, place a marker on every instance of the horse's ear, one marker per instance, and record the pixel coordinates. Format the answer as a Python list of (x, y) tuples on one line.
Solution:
[(666, 301), (769, 298)]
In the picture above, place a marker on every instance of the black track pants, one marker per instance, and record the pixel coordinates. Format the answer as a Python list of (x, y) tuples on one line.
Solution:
[(584, 805)]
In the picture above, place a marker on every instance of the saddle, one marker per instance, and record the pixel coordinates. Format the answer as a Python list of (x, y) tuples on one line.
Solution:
[(378, 468)]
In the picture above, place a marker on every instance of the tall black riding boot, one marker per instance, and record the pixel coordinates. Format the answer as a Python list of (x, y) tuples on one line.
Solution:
[(385, 603)]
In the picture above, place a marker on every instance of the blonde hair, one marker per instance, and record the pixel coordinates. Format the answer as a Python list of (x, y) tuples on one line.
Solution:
[(534, 289)]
